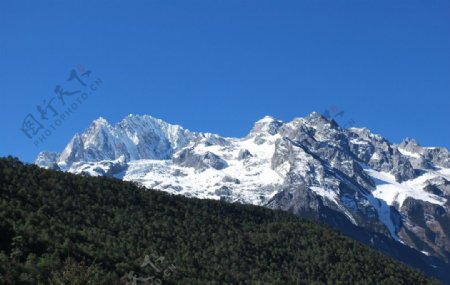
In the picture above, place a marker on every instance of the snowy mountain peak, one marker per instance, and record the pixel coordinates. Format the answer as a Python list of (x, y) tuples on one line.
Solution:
[(309, 166), (135, 137), (100, 122), (134, 119), (318, 120), (266, 119), (267, 125), (410, 144)]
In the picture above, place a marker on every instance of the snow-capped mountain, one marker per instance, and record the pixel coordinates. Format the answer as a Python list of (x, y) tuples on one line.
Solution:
[(349, 178)]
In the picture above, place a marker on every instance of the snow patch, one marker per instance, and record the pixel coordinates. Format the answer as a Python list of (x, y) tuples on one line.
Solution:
[(408, 153), (390, 191)]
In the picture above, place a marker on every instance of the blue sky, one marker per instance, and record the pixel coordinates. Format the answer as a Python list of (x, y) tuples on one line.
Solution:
[(218, 66)]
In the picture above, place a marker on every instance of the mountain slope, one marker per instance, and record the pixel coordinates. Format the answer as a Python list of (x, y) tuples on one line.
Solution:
[(58, 227), (352, 179)]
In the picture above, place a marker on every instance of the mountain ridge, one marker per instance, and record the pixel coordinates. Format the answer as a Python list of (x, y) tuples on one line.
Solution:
[(60, 228), (308, 166)]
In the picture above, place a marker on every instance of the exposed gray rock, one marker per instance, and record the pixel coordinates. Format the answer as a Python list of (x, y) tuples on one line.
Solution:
[(260, 139), (231, 180), (439, 186), (189, 158), (401, 167), (439, 156), (299, 201), (244, 154), (179, 173), (223, 191), (430, 231), (410, 145)]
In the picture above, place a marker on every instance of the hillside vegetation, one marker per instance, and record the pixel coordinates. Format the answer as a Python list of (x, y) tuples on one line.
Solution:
[(59, 228)]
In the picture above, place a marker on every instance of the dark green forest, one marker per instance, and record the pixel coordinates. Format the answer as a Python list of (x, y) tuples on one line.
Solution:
[(59, 228)]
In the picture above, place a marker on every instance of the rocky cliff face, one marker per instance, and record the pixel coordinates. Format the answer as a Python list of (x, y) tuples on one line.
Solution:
[(351, 179)]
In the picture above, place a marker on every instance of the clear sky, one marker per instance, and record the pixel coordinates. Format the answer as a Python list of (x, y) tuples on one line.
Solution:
[(218, 66)]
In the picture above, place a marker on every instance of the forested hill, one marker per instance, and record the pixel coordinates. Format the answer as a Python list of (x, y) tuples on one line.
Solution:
[(59, 228)]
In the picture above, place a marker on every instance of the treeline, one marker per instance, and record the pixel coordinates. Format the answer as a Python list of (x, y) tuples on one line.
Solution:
[(59, 228)]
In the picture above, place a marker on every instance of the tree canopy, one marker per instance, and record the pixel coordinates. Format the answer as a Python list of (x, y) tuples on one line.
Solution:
[(60, 228)]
